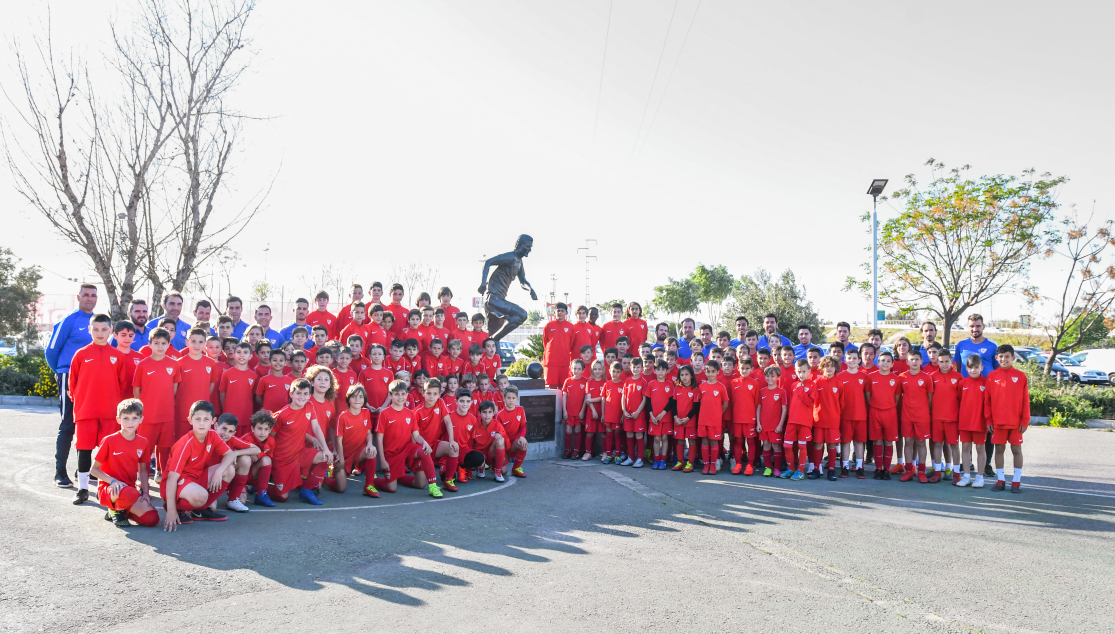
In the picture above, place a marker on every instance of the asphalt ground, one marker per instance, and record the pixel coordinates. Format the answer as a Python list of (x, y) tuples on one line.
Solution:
[(579, 546)]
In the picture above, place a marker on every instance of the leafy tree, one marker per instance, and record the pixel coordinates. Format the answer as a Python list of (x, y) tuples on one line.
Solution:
[(759, 294), (534, 318), (19, 292), (677, 298), (961, 241), (606, 308), (534, 348), (714, 284), (261, 290)]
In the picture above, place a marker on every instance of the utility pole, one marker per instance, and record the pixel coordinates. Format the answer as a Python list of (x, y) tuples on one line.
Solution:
[(876, 188), (589, 243)]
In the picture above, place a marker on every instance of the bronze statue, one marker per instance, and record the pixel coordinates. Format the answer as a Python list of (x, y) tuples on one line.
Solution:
[(503, 316)]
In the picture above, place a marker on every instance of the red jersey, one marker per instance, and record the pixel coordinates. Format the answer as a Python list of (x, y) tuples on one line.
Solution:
[(418, 334), (325, 413), (882, 389), (612, 411), (359, 364), (238, 386), (415, 398), (344, 317), (633, 392), (855, 406), (575, 389), (400, 313), (322, 318), (713, 397), (917, 389), (374, 335), (433, 332), (462, 429), (345, 380), (431, 422), (802, 398), (353, 328), (266, 448), (120, 458), (455, 366), (787, 379), (594, 389), (436, 366), (686, 398), (585, 334), (131, 359), (609, 332), (483, 437), (745, 399), (215, 393), (289, 432), (514, 422), (946, 396), (145, 351), (973, 404), (771, 402), (156, 381), (474, 368), (376, 384), (829, 403), (353, 429), (557, 344), (636, 330), (466, 337), (197, 384), (235, 443), (189, 458), (275, 391), (98, 376), (660, 394), (1008, 398), (899, 367), (491, 365)]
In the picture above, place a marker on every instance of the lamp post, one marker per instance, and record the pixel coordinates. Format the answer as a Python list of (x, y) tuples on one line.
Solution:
[(876, 188)]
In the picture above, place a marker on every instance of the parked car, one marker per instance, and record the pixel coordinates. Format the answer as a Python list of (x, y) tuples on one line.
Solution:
[(1098, 360), (8, 348), (1059, 371), (1081, 374), (506, 353)]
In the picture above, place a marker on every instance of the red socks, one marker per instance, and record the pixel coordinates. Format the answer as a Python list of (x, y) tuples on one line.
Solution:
[(737, 450), (518, 457), (692, 451), (428, 467), (213, 495), (150, 518), (877, 451), (803, 456), (714, 453), (450, 470), (640, 447), (263, 477), (704, 453), (500, 456), (317, 474), (832, 459), (568, 440), (888, 455), (815, 456), (236, 487), (631, 448), (788, 454), (607, 443), (766, 459)]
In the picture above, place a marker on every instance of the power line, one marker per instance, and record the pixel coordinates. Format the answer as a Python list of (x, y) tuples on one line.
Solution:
[(655, 79), (671, 76), (603, 64)]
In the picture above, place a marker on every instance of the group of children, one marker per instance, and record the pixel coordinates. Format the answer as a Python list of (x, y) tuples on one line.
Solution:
[(236, 416), (775, 411)]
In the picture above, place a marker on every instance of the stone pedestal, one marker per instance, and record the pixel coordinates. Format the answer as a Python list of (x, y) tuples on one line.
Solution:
[(543, 409)]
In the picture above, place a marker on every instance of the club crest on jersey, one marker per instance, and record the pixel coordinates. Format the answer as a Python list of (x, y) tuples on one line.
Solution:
[(250, 381), (566, 330), (716, 392), (920, 382), (307, 416), (208, 448), (1014, 378), (408, 421), (170, 370), (518, 418), (981, 388), (776, 396), (749, 386), (112, 360), (892, 382), (208, 370), (861, 381), (834, 390), (279, 486), (139, 453), (954, 381)]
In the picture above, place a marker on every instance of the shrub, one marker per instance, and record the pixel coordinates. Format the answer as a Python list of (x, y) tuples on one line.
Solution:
[(27, 375), (1069, 403), (519, 368)]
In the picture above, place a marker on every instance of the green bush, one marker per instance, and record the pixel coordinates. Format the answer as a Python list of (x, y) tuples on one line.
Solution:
[(519, 368), (1068, 404), (27, 375)]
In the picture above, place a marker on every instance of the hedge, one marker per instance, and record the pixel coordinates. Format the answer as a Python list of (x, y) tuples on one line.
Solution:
[(1068, 404), (27, 375)]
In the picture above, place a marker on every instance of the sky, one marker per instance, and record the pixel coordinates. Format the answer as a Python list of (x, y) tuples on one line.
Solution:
[(672, 133)]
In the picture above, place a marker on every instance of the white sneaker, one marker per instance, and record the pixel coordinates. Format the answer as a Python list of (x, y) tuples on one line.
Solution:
[(638, 463), (978, 484), (719, 462), (586, 457), (628, 462), (236, 505), (498, 475), (480, 472), (965, 480), (732, 462)]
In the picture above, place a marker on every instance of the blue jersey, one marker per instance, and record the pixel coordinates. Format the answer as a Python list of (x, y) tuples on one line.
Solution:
[(985, 350), (141, 338), (275, 337), (238, 330), (801, 349), (765, 343), (68, 336), (288, 335), (684, 352)]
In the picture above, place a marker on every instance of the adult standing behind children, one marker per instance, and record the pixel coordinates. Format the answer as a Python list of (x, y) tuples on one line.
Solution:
[(301, 311), (172, 308), (985, 348), (69, 335), (771, 339)]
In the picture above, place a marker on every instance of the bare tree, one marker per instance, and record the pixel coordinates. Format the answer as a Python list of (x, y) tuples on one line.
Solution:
[(415, 278), (1089, 287)]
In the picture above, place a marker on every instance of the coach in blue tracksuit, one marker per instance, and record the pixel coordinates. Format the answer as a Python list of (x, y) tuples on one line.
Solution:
[(69, 335), (984, 348)]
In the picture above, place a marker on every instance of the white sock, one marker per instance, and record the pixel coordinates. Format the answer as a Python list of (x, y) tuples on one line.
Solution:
[(901, 460), (845, 464), (950, 467), (83, 480), (1017, 476), (859, 463), (937, 466), (999, 475), (809, 466)]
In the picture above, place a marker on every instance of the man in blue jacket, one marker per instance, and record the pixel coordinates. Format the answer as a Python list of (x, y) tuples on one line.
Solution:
[(985, 348), (69, 335), (172, 308)]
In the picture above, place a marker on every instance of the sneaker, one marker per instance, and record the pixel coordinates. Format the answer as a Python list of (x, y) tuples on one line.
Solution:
[(462, 476), (62, 481), (897, 468), (956, 477), (120, 519), (1015, 487), (82, 497), (785, 475), (798, 475), (371, 491), (964, 480), (713, 467), (250, 489), (704, 470), (922, 477), (185, 518), (629, 462), (606, 459), (1000, 485), (935, 478), (843, 472), (977, 483), (748, 470), (108, 516), (719, 462), (518, 472), (878, 475), (262, 499), (989, 471), (308, 497), (949, 472), (688, 468), (814, 474), (767, 472), (567, 455), (586, 456), (433, 490), (679, 466), (498, 476), (621, 458), (906, 476), (832, 475), (738, 469), (637, 464), (236, 505), (886, 474), (480, 473), (209, 515), (860, 474)]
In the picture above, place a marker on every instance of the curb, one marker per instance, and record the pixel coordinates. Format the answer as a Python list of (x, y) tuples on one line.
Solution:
[(28, 400), (1092, 423)]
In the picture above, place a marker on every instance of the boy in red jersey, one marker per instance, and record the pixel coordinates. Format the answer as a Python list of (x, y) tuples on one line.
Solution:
[(168, 325), (260, 473), (973, 421), (192, 483), (745, 412), (434, 361), (827, 409), (714, 397), (321, 337), (438, 328), (323, 399), (460, 330), (461, 421), (413, 331), (272, 390), (514, 421), (397, 441), (455, 364), (97, 378), (490, 439), (799, 421), (354, 447), (434, 425), (344, 315), (764, 361), (322, 316), (478, 332), (121, 459), (635, 327), (491, 360), (411, 360), (593, 416), (883, 390), (697, 362), (634, 414), (298, 363), (917, 402), (583, 332), (346, 376), (944, 429), (155, 384), (398, 312), (262, 358), (357, 326), (611, 331), (867, 353), (198, 380), (660, 393), (853, 416), (1008, 412), (613, 415), (475, 365), (558, 350), (373, 327), (445, 302), (238, 388), (245, 452), (124, 332), (773, 410), (294, 464), (573, 404), (687, 408)]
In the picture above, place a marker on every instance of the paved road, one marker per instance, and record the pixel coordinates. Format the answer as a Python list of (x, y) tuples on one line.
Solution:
[(580, 547)]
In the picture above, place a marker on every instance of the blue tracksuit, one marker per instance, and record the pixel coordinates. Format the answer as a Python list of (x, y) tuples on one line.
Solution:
[(985, 350), (68, 336)]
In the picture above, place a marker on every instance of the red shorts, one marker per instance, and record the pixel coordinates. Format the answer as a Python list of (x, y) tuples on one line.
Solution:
[(157, 434), (129, 495), (614, 425), (946, 431), (883, 424), (712, 432), (636, 425), (853, 430), (797, 433), (744, 430), (1004, 435), (664, 428), (826, 435), (396, 463), (687, 431), (554, 375), (975, 437), (91, 431), (288, 477), (773, 437), (917, 430), (593, 426), (352, 458), (573, 421)]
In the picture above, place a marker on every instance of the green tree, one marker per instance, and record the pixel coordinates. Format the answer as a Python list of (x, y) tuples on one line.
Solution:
[(714, 285), (759, 294), (677, 298), (534, 318), (19, 292), (534, 348), (959, 241), (606, 308)]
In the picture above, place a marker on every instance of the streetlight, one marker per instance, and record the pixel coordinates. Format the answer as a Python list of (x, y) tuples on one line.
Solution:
[(876, 188)]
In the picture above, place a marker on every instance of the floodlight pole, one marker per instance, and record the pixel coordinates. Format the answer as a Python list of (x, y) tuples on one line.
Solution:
[(875, 261)]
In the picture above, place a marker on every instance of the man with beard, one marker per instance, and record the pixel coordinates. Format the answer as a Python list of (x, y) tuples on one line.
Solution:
[(742, 326), (771, 339), (661, 333), (69, 335), (172, 307), (688, 326)]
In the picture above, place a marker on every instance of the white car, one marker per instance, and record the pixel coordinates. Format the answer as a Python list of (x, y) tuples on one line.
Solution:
[(1102, 360), (8, 348)]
